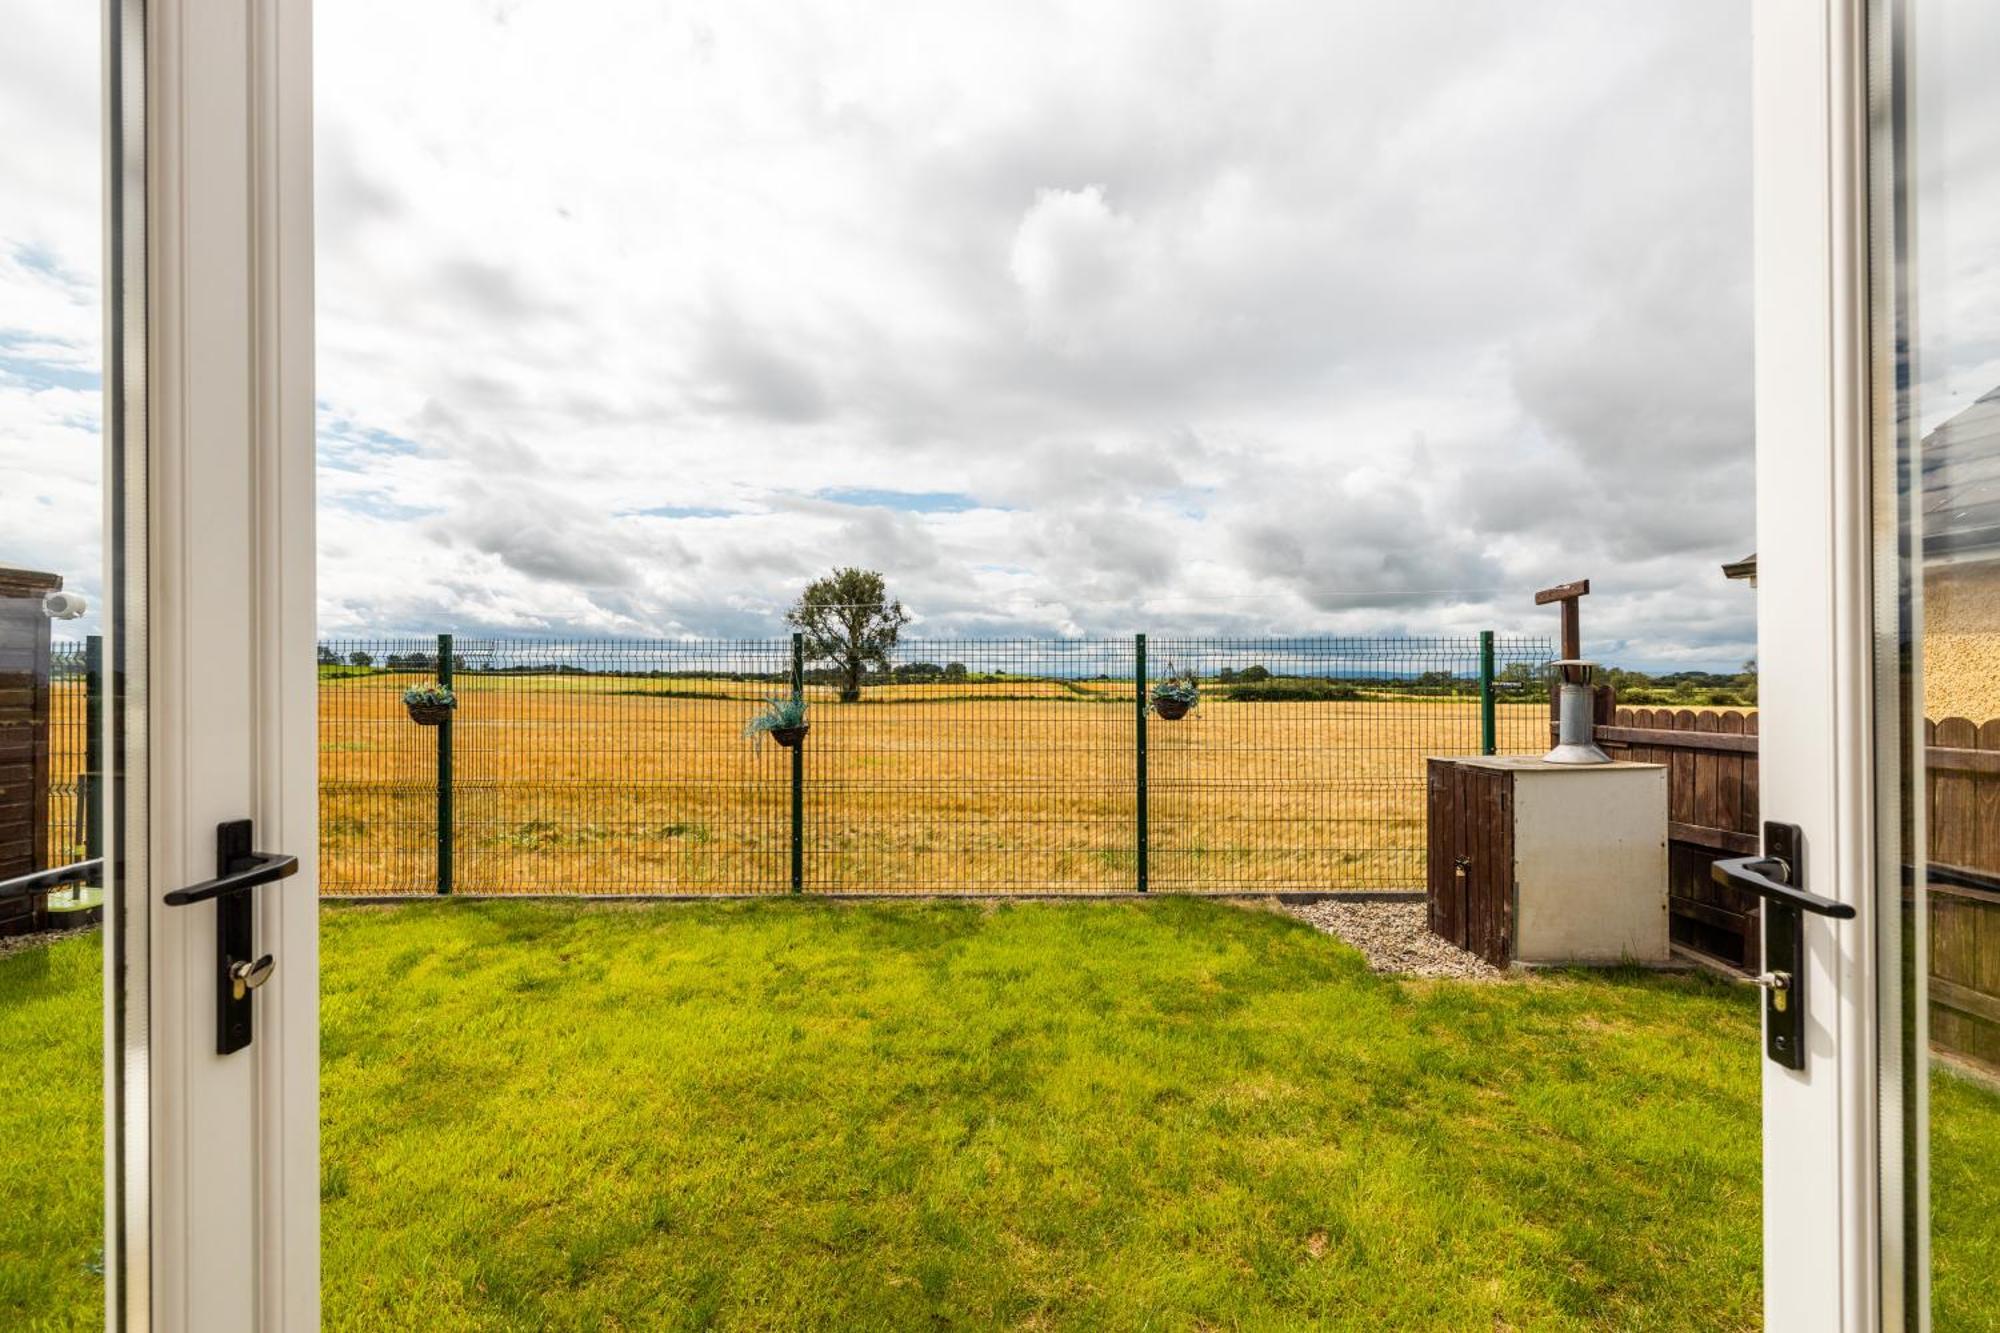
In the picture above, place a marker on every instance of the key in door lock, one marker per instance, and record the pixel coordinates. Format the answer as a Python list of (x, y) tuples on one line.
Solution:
[(246, 976), (238, 870), (1778, 877)]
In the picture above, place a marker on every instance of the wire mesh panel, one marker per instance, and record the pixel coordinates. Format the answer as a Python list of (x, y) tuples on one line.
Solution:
[(976, 765), (967, 765), (607, 767), (1302, 767), (378, 802), (73, 678)]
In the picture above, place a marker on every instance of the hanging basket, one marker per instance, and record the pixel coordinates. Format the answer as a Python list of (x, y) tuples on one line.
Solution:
[(428, 715), (1173, 710), (790, 737)]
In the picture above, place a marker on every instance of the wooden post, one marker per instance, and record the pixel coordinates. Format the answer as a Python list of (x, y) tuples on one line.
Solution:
[(1567, 595)]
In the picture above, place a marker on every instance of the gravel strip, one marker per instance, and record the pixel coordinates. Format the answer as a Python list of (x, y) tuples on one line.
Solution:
[(40, 939), (1393, 939)]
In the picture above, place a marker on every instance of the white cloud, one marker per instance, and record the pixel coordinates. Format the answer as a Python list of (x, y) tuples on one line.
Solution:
[(1234, 316), (51, 509)]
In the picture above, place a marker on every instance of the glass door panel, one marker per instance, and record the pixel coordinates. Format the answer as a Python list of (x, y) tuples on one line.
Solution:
[(54, 685), (1936, 258)]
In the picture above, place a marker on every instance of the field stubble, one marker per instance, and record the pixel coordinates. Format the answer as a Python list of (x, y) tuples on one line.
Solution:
[(620, 784)]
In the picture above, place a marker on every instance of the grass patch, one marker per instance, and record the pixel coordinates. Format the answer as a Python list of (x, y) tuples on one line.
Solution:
[(886, 1116), (1965, 1202), (52, 1135), (811, 1114)]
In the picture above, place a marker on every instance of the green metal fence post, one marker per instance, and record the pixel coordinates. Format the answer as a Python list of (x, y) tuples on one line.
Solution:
[(1486, 736), (91, 786), (798, 771), (444, 777), (1139, 704)]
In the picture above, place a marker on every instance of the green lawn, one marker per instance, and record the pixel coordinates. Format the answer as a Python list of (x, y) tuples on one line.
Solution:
[(1088, 1116), (1167, 1115), (52, 1135)]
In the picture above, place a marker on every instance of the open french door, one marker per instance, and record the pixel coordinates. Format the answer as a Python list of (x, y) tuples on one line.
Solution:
[(1877, 204), (1814, 645), (214, 1148), (214, 1049)]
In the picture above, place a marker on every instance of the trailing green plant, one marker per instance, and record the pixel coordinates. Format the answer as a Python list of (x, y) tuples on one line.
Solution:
[(777, 715), (429, 696), (1177, 688)]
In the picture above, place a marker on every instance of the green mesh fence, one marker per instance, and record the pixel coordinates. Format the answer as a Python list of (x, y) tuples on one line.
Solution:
[(992, 765)]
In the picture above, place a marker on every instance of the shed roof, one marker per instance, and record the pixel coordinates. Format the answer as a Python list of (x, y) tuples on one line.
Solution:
[(1961, 484), (1961, 490)]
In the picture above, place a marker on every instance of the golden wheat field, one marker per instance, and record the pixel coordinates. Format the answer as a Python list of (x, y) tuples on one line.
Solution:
[(619, 784)]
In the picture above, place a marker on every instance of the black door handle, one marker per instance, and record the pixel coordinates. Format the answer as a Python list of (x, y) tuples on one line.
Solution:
[(1775, 878), (1769, 877), (261, 868), (237, 973)]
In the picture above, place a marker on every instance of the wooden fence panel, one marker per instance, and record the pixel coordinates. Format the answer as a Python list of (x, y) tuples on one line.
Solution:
[(1711, 761), (1962, 771)]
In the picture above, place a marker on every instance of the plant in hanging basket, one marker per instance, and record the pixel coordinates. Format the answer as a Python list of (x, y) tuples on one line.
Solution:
[(783, 720), (429, 705), (1176, 693)]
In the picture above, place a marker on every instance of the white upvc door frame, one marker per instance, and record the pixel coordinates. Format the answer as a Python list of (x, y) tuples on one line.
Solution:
[(229, 709), (1822, 1223)]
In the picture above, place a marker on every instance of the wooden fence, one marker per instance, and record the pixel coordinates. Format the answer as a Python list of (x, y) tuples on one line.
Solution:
[(1711, 759), (1962, 764)]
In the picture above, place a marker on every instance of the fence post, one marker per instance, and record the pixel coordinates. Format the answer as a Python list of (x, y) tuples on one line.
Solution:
[(1486, 736), (798, 770), (89, 789), (444, 776), (1139, 702)]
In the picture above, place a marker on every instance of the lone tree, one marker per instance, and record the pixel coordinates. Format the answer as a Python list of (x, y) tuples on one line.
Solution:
[(848, 620)]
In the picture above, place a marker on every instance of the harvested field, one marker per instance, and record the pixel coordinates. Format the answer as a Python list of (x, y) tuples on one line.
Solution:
[(609, 784), (625, 780)]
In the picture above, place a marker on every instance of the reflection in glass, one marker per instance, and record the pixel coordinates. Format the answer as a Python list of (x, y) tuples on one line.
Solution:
[(1938, 246), (52, 682)]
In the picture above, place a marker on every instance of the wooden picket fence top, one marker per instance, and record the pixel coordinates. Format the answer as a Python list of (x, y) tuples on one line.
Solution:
[(1711, 757)]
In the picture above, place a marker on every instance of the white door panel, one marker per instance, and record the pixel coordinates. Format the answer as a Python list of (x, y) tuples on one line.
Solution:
[(1813, 526), (231, 693)]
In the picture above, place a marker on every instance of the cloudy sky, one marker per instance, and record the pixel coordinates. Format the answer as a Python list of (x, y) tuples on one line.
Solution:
[(1072, 318)]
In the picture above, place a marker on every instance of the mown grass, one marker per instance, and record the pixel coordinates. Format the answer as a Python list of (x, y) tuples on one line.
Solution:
[(1174, 1114), (1965, 1202), (52, 1135), (1166, 1115)]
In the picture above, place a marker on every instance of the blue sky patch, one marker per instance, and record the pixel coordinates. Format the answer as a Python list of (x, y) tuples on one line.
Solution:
[(679, 511), (39, 375), (911, 502), (347, 446)]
